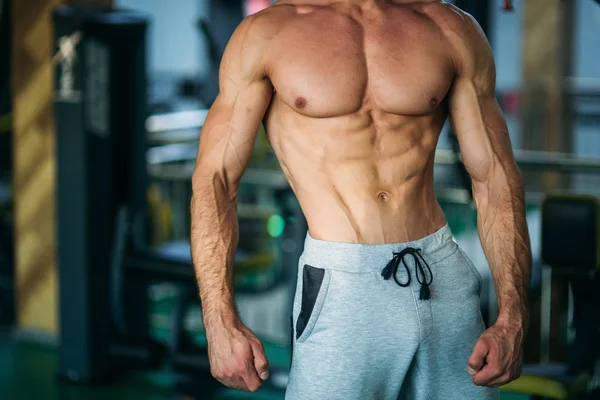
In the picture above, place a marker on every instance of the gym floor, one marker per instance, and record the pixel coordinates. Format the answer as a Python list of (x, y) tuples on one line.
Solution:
[(28, 371)]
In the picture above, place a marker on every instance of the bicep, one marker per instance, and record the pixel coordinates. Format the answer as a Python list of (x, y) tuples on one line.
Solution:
[(230, 130), (233, 121), (481, 130), (474, 112)]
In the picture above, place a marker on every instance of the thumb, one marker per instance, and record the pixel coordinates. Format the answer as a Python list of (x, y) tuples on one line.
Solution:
[(260, 359), (478, 356)]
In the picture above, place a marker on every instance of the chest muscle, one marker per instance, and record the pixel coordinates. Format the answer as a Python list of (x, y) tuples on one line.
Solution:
[(327, 64)]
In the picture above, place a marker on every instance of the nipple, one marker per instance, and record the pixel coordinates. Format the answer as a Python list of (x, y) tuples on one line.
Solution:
[(433, 102), (300, 102)]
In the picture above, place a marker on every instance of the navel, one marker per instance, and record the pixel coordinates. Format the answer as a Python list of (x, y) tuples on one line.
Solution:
[(383, 196)]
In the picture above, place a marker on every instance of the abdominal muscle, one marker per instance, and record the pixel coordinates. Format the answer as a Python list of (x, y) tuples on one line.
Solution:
[(362, 178)]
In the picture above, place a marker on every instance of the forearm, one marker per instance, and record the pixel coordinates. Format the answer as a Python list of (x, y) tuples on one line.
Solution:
[(503, 233), (214, 237)]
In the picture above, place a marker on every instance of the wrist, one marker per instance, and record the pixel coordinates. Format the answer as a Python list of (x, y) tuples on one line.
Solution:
[(218, 314), (218, 323), (515, 318)]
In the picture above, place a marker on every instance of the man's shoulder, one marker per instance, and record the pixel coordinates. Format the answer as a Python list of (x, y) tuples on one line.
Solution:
[(268, 22), (255, 31), (451, 19), (471, 51), (459, 28)]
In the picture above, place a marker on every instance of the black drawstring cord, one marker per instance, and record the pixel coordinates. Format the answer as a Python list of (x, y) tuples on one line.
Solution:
[(391, 270)]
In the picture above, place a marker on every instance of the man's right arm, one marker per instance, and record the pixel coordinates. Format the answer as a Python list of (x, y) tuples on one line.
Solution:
[(225, 148)]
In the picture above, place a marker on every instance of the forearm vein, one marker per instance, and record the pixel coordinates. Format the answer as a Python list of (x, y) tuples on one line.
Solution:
[(505, 239)]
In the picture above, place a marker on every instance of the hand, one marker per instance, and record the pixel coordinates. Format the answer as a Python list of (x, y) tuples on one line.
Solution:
[(237, 357), (497, 356)]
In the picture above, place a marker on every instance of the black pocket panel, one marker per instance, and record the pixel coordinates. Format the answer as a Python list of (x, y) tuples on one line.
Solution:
[(312, 279)]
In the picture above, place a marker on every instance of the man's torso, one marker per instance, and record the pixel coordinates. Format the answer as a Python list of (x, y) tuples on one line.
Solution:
[(359, 100)]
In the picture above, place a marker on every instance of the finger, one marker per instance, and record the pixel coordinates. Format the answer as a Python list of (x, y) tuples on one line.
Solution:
[(239, 384), (486, 375), (260, 360), (250, 376), (502, 380), (491, 371), (478, 356), (232, 382), (251, 381)]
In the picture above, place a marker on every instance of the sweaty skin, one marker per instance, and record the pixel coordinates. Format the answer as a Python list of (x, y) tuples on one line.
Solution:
[(353, 95)]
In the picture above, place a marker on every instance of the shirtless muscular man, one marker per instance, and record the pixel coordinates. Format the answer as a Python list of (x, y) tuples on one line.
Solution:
[(353, 95)]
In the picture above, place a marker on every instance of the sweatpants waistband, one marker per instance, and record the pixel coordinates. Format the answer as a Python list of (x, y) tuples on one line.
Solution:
[(360, 258)]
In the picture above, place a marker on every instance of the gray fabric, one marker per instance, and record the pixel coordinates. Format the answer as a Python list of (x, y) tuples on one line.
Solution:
[(368, 338)]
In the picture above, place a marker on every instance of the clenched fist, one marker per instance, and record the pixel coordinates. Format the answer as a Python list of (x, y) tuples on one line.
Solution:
[(497, 356), (237, 357)]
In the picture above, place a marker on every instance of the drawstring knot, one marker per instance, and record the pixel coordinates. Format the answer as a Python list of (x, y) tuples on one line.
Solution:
[(391, 270)]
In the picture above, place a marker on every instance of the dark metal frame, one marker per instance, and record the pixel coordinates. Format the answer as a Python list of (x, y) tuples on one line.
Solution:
[(105, 266), (100, 169)]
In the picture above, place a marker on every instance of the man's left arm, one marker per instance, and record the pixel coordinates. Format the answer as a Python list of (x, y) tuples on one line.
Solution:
[(499, 198)]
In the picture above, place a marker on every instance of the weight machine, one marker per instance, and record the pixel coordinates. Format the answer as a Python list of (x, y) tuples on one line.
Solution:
[(105, 263)]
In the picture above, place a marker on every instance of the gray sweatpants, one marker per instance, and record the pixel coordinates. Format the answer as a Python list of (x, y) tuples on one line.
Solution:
[(358, 336)]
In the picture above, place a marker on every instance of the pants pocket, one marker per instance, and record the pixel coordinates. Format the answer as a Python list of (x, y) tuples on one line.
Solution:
[(315, 284), (473, 270)]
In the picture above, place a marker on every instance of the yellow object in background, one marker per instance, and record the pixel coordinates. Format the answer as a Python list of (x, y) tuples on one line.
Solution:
[(161, 217), (34, 165)]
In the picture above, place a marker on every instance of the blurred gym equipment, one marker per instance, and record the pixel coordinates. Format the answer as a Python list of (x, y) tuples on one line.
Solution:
[(106, 263), (100, 114), (571, 246), (507, 5), (217, 27)]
